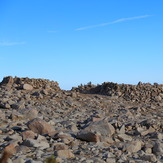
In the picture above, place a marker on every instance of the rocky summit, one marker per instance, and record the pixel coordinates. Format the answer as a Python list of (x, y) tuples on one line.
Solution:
[(107, 123)]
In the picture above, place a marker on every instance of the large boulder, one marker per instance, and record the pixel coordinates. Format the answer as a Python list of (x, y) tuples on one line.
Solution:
[(96, 131), (41, 127)]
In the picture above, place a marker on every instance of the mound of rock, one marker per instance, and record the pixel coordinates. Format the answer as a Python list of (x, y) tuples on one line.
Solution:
[(28, 84), (140, 92)]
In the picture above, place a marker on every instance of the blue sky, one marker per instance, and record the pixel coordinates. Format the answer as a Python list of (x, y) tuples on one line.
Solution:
[(77, 41)]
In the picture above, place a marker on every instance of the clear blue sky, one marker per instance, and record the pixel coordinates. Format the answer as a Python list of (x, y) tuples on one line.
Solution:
[(77, 41)]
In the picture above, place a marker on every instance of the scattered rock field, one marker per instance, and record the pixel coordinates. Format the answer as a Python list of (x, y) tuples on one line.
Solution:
[(107, 123)]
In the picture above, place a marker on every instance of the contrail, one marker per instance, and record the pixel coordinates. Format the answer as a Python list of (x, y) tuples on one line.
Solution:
[(113, 22)]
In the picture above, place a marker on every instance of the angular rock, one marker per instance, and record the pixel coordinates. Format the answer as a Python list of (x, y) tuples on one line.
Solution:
[(64, 154), (121, 130), (28, 135), (15, 137), (89, 136), (134, 146), (96, 131), (41, 127), (36, 143), (124, 137)]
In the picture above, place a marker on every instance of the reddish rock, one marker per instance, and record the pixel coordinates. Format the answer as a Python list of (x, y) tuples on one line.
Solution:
[(41, 127), (7, 153), (28, 135)]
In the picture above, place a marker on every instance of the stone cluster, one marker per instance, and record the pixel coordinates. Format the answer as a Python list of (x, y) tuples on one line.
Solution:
[(28, 84), (144, 92), (39, 122)]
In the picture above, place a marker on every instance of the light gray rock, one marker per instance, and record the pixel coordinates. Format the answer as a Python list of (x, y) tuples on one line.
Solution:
[(110, 160), (134, 146), (19, 160), (35, 143), (15, 137), (2, 115), (121, 130), (27, 87), (124, 137), (96, 131)]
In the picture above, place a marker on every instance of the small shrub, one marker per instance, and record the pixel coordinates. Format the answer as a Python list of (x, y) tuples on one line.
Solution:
[(51, 160)]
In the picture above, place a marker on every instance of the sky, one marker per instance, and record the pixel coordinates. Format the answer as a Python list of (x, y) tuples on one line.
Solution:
[(74, 42)]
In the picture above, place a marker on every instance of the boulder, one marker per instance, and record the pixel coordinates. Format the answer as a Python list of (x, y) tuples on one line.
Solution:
[(41, 127), (134, 146), (96, 131), (27, 87)]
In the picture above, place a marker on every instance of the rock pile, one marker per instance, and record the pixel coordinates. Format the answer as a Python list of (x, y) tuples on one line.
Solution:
[(40, 122), (140, 92), (29, 84)]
